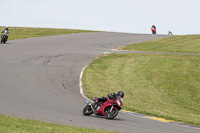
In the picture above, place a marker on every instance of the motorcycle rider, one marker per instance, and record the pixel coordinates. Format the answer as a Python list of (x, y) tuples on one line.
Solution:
[(113, 95), (5, 32), (169, 33), (153, 29)]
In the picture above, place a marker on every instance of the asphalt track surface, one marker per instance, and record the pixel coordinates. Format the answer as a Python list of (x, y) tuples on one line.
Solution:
[(39, 79)]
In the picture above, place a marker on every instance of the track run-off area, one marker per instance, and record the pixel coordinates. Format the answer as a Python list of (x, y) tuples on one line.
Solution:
[(39, 79)]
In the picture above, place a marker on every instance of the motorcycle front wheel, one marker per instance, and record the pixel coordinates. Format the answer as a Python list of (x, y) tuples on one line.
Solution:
[(87, 110), (112, 114), (3, 40)]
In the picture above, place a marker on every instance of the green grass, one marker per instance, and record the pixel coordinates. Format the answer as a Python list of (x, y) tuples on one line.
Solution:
[(167, 86), (162, 85), (177, 44), (14, 125), (22, 32)]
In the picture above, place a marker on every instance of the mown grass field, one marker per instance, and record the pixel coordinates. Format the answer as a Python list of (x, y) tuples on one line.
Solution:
[(177, 44), (14, 125), (22, 32), (162, 85)]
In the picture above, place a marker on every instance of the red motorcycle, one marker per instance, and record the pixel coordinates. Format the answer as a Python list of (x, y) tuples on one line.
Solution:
[(109, 108)]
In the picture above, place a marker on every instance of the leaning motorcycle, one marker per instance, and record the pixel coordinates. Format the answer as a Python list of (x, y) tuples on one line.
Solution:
[(108, 108), (3, 38)]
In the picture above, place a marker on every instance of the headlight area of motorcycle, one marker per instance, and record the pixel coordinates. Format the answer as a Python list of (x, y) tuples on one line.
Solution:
[(118, 102)]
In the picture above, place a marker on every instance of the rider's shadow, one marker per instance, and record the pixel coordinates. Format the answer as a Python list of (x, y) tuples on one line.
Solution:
[(4, 43), (103, 117)]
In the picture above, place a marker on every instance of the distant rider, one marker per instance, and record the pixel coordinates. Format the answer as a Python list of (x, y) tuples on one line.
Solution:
[(169, 33), (153, 29), (6, 32)]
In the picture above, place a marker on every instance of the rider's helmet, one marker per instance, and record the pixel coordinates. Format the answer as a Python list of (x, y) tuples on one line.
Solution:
[(6, 28), (120, 93)]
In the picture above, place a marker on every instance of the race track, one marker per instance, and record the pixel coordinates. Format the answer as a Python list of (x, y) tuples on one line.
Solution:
[(39, 79)]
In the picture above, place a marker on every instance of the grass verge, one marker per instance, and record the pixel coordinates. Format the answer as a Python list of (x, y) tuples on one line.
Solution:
[(22, 32), (177, 44), (161, 85), (14, 125)]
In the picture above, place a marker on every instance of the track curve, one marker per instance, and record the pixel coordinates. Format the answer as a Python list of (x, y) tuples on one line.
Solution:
[(39, 79)]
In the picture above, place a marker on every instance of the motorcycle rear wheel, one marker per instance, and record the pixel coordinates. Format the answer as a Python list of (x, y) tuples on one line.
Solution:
[(112, 114), (87, 110)]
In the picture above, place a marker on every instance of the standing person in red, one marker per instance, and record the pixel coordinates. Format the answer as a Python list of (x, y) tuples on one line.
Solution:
[(153, 29)]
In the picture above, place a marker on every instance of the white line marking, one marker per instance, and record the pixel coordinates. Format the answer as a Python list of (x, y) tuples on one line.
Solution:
[(81, 84)]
